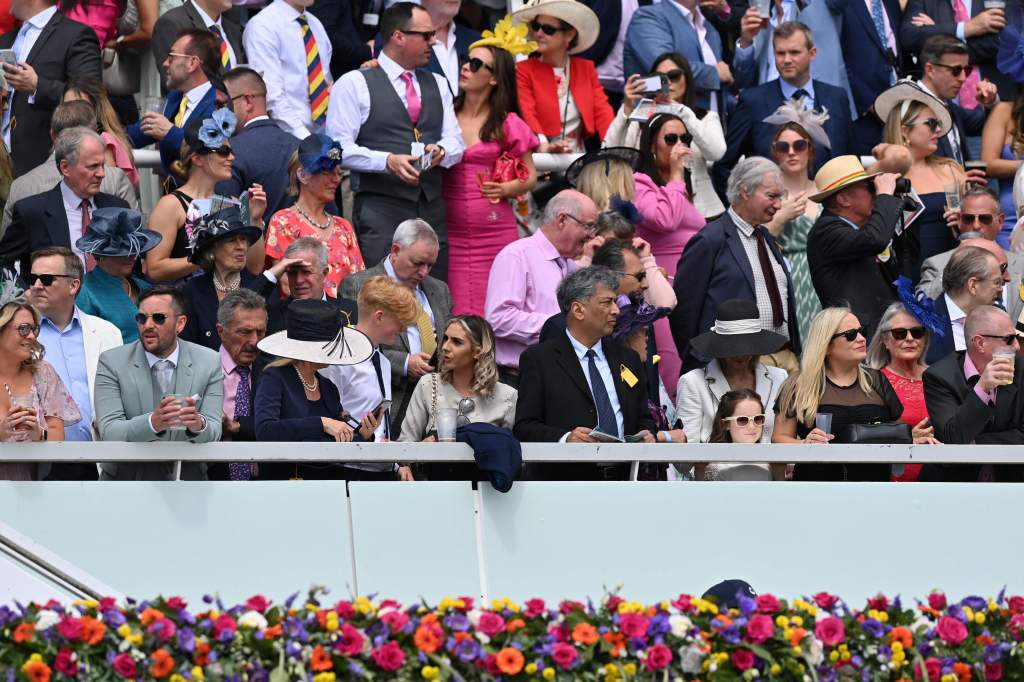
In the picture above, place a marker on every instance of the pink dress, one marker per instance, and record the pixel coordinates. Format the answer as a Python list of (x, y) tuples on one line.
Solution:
[(99, 15), (343, 254), (478, 229), (668, 220), (122, 157), (51, 399)]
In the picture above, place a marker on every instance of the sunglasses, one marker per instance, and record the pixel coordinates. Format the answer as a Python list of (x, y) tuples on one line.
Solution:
[(158, 318), (900, 333), (475, 64), (798, 147), (744, 421), (47, 280), (956, 70), (851, 334), (224, 151), (548, 29), (674, 74), (426, 35), (25, 329), (983, 218), (640, 276), (672, 139), (933, 124), (1008, 339)]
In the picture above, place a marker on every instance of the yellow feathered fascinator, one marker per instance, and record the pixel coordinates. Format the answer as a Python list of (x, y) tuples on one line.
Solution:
[(507, 36)]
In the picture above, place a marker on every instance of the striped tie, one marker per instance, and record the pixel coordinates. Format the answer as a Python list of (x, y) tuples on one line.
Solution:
[(318, 95), (225, 58)]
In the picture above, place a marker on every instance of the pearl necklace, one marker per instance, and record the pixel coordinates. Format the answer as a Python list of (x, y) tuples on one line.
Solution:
[(231, 285), (312, 386), (326, 224)]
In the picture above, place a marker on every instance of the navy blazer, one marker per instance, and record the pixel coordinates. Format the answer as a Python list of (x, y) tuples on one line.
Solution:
[(715, 268), (941, 346), (869, 64), (968, 122), (201, 306), (262, 151), (170, 146), (284, 413)]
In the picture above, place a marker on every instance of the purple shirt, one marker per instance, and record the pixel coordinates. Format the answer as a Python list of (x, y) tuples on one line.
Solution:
[(521, 294)]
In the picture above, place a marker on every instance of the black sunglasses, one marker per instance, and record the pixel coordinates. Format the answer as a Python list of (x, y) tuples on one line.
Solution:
[(158, 318), (798, 146), (983, 218), (744, 420), (674, 74), (224, 151), (900, 333), (956, 70), (548, 29), (25, 329), (933, 124), (851, 334), (672, 139), (47, 279), (1008, 339), (426, 35), (475, 64)]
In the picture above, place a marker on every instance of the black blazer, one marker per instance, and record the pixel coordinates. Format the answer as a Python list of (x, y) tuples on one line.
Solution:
[(262, 150), (283, 413), (277, 309), (168, 26), (941, 346), (961, 417), (64, 50), (39, 221), (201, 306), (343, 21), (968, 122)]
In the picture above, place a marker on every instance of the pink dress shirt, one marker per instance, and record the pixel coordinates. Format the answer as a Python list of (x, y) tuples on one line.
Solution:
[(231, 380), (971, 371)]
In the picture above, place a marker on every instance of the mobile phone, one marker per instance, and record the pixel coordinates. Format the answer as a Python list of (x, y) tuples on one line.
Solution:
[(348, 419), (976, 165), (8, 57), (656, 84), (384, 406)]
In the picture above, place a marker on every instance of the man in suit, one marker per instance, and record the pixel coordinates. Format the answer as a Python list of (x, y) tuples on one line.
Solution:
[(187, 66), (139, 389), (306, 275), (59, 216), (44, 176), (413, 253), (51, 50), (200, 15), (262, 148), (973, 397), (579, 382), (679, 26), (73, 343), (971, 279), (735, 257), (748, 135)]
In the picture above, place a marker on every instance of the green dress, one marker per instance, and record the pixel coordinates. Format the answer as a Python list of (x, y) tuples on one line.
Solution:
[(793, 242)]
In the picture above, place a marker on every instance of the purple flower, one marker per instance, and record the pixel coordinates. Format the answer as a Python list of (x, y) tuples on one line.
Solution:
[(186, 640), (467, 650), (976, 603), (957, 612), (456, 622), (731, 634), (873, 628), (356, 669), (113, 618), (747, 605)]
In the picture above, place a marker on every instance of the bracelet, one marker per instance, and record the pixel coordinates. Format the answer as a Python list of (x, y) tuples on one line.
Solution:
[(668, 436)]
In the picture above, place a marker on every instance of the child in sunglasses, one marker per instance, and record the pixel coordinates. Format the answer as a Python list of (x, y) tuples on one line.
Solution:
[(740, 419)]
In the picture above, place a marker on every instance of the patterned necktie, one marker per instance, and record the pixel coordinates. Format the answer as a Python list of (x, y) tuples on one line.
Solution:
[(969, 90), (428, 344), (179, 117), (225, 57), (606, 421), (242, 471), (317, 86), (768, 272), (90, 261), (412, 100)]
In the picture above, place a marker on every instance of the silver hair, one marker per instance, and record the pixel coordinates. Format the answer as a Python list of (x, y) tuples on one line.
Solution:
[(563, 202), (582, 285), (413, 230), (748, 175), (235, 299), (878, 354), (68, 145), (309, 245), (965, 263)]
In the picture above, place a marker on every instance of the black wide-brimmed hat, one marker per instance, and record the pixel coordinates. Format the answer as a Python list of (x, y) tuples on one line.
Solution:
[(316, 333), (116, 231), (737, 332), (633, 317), (627, 155), (727, 593), (211, 228)]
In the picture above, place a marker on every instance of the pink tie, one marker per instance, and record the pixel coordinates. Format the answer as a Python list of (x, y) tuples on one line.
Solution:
[(412, 100), (969, 90)]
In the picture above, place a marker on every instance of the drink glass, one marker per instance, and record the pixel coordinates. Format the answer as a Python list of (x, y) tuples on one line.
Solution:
[(23, 401), (153, 104), (823, 421), (764, 8), (481, 178), (447, 419), (182, 403), (995, 4), (952, 197), (1008, 354)]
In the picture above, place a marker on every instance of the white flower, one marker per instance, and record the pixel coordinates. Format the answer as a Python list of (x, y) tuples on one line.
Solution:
[(815, 653), (46, 619), (474, 617), (680, 625), (252, 619), (690, 659)]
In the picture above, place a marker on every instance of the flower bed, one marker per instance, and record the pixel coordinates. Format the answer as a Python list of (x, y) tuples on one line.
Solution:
[(817, 638)]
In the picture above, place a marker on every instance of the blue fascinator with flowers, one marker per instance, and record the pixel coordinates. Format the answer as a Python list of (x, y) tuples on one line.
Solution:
[(920, 306), (212, 132), (318, 152)]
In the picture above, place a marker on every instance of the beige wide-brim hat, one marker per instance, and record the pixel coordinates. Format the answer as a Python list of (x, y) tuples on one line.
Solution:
[(576, 14), (905, 92), (838, 173)]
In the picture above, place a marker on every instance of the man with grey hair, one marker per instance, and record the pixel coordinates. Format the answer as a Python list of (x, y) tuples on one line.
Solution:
[(304, 278), (971, 279), (736, 257), (61, 215), (525, 274), (414, 251), (580, 386)]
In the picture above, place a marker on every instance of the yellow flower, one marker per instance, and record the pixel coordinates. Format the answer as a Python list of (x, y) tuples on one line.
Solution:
[(833, 656), (324, 677), (883, 617), (197, 673), (797, 621), (548, 674), (629, 669), (992, 606), (969, 612), (445, 604), (332, 621), (797, 651), (705, 606), (776, 669), (504, 603), (665, 605), (631, 607), (363, 605), (949, 678), (782, 621), (124, 630), (531, 668), (430, 672), (177, 678), (979, 618)]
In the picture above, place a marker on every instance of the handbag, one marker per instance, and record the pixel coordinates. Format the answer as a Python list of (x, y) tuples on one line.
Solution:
[(122, 72), (508, 168), (881, 433)]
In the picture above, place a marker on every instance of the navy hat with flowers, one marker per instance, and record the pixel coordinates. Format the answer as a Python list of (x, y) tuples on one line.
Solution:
[(211, 228), (116, 231), (318, 152), (636, 316), (210, 133)]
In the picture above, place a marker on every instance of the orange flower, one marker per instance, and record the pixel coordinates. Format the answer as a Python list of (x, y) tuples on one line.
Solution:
[(36, 671), (962, 671), (163, 664), (515, 624), (202, 652), (617, 640), (273, 632), (902, 635), (984, 640), (584, 633), (510, 661), (92, 630), (427, 639), (797, 636), (23, 632), (462, 636), (321, 660), (429, 619), (150, 615)]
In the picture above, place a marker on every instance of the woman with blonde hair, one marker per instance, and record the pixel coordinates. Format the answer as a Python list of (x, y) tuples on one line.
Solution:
[(603, 174), (834, 381)]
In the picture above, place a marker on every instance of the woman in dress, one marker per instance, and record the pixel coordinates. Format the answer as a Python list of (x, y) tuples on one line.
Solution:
[(315, 171), (740, 419), (34, 404), (119, 147), (1002, 148), (496, 167), (704, 127)]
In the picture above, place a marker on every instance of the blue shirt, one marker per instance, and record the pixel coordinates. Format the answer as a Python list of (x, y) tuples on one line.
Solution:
[(65, 350), (606, 375)]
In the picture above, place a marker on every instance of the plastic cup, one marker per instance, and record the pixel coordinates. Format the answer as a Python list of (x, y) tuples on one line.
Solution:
[(764, 8), (153, 104), (182, 402), (1007, 354), (23, 401), (995, 4), (447, 420), (952, 197), (823, 421)]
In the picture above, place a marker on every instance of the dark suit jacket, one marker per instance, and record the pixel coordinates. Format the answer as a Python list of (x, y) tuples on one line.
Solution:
[(170, 146), (65, 49), (168, 26), (201, 306), (262, 151), (283, 413), (748, 136), (868, 63), (39, 221), (343, 21), (715, 268), (968, 122), (941, 346), (277, 310), (961, 417)]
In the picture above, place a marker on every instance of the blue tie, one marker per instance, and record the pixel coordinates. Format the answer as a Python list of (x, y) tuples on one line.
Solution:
[(878, 17), (606, 421), (18, 47)]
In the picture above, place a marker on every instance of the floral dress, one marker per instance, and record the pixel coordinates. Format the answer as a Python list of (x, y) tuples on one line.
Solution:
[(343, 254), (793, 242), (51, 399)]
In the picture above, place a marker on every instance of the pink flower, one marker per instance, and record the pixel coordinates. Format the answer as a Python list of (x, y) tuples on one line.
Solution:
[(879, 603), (344, 609), (1016, 604), (65, 663), (684, 603), (69, 628), (351, 641), (176, 603), (830, 631), (567, 606), (767, 603), (951, 630), (633, 625), (993, 671), (534, 608), (490, 623), (390, 604), (389, 657), (163, 629), (760, 629), (257, 603), (396, 620), (937, 601), (564, 655), (613, 602), (109, 603), (658, 656), (742, 659), (125, 666), (224, 627), (826, 601), (933, 666)]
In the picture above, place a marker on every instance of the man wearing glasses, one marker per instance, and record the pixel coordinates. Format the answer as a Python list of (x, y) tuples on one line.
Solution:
[(159, 388)]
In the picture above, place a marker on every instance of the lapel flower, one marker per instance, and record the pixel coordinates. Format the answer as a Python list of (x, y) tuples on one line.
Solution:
[(216, 130)]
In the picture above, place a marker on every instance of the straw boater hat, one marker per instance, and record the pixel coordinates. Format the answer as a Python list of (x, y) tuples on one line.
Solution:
[(737, 332), (838, 173), (905, 92), (315, 333), (576, 14)]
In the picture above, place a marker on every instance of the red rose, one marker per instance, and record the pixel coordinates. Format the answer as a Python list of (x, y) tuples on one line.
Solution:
[(613, 602), (767, 603), (351, 641), (468, 601), (760, 629), (344, 609), (951, 630), (176, 603), (396, 620), (1016, 604), (684, 602), (658, 656), (937, 601), (993, 671), (70, 628), (490, 664), (389, 657), (490, 623), (633, 625), (125, 666), (742, 659), (110, 602), (824, 600), (65, 663), (567, 606), (534, 608), (257, 603), (164, 629), (879, 603), (224, 624), (564, 655), (830, 631), (933, 666)]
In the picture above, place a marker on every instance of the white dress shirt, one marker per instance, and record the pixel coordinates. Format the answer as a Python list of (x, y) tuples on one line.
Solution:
[(448, 58), (274, 45), (73, 210), (957, 318), (210, 23), (606, 377), (359, 389), (195, 96), (350, 108)]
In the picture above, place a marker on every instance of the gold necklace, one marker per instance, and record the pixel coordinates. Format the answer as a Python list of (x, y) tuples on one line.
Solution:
[(312, 386)]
